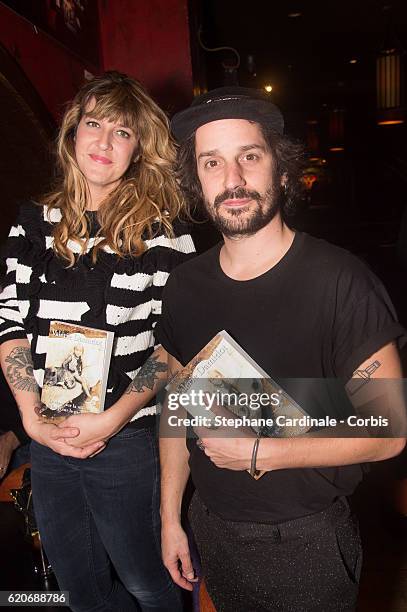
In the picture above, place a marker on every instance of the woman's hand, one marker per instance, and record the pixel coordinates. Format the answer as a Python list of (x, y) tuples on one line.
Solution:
[(93, 428), (58, 438), (17, 365)]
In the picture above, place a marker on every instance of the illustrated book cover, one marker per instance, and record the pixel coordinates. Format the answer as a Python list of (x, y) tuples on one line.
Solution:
[(76, 370), (223, 375)]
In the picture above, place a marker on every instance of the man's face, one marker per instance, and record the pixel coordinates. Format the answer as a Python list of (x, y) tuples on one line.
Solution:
[(236, 171)]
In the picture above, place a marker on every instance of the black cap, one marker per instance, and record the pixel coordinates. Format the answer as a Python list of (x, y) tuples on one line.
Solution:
[(227, 103)]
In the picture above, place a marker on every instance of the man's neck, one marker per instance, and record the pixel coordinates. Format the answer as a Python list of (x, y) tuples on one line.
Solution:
[(247, 257)]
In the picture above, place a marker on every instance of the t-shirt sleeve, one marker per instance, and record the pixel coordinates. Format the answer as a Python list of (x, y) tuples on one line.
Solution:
[(365, 321), (164, 331), (168, 254)]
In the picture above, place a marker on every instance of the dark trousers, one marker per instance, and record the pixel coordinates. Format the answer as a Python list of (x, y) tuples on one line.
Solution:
[(311, 564), (100, 527)]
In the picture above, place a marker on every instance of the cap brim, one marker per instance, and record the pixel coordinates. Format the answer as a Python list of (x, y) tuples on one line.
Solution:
[(185, 123)]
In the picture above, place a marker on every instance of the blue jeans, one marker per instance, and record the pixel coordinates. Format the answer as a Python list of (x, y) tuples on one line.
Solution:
[(102, 513)]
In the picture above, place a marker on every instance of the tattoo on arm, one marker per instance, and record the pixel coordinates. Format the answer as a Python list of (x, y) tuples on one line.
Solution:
[(362, 377), (19, 371), (148, 375)]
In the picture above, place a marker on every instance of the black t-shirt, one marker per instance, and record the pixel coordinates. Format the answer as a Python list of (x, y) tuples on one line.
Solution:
[(318, 313)]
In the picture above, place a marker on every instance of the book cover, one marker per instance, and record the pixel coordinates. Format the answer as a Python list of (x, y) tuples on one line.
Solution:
[(76, 370), (223, 375)]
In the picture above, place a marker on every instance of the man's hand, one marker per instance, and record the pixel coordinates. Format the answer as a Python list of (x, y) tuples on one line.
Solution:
[(58, 439), (229, 453), (92, 428), (8, 444), (176, 557), (222, 447)]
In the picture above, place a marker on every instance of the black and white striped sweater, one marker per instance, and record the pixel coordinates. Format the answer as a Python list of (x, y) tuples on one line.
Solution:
[(120, 295)]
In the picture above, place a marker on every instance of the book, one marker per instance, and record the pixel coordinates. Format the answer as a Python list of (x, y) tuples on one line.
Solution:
[(76, 370), (223, 384)]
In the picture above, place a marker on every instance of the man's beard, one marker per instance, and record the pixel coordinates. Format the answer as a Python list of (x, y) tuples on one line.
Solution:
[(235, 223)]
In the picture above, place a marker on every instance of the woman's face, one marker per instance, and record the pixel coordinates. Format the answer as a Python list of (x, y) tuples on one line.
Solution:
[(104, 150)]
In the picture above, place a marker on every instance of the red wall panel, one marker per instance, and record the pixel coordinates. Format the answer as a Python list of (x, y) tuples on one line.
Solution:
[(55, 72), (149, 39)]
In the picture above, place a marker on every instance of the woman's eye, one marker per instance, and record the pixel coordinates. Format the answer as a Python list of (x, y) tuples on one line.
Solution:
[(92, 124), (123, 133)]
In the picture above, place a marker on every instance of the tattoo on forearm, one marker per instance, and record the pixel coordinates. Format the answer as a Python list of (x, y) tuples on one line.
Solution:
[(19, 371), (148, 375), (362, 377)]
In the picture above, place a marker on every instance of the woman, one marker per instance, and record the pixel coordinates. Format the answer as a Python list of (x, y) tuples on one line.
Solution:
[(97, 252), (74, 364)]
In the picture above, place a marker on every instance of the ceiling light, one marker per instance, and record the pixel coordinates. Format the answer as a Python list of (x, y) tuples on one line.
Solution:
[(391, 122)]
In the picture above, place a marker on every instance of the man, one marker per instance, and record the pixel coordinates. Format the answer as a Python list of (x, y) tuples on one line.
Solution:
[(302, 309)]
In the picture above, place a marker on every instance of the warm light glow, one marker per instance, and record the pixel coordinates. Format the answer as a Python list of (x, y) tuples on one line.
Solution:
[(388, 81), (391, 122), (268, 88), (309, 180), (318, 161), (294, 15), (336, 149), (353, 61)]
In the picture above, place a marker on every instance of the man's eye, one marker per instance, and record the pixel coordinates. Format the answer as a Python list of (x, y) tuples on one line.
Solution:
[(212, 163), (250, 157), (123, 133)]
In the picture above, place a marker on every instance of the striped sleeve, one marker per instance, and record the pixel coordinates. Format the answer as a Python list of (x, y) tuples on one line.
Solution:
[(11, 322), (163, 255)]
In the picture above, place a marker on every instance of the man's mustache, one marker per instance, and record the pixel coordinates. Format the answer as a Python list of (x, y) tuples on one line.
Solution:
[(238, 194)]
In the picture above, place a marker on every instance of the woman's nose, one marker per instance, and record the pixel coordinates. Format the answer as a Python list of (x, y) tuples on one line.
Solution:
[(105, 140)]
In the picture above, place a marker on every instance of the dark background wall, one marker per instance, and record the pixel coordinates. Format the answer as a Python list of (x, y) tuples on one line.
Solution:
[(148, 39)]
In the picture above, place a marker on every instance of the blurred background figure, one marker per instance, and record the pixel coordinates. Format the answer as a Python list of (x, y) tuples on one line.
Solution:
[(14, 442)]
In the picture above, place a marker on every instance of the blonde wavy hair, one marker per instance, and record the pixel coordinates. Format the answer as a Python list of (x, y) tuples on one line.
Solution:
[(148, 193)]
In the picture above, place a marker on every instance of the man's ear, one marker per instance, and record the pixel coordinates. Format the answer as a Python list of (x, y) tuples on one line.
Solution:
[(284, 181)]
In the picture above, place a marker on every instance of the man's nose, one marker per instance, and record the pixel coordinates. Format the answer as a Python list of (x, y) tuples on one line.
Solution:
[(234, 176)]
